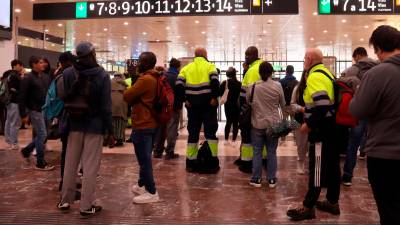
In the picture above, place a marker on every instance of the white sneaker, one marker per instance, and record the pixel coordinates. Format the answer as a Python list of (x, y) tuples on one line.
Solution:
[(146, 198), (14, 147), (301, 170), (34, 152), (138, 190)]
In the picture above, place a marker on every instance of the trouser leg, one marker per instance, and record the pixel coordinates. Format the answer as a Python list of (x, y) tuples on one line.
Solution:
[(314, 190), (172, 133), (194, 126)]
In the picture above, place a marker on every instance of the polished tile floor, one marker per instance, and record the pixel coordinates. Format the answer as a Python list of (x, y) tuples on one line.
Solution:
[(30, 197)]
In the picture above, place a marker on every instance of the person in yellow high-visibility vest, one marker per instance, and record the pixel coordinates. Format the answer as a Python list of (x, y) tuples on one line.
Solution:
[(198, 85), (252, 75)]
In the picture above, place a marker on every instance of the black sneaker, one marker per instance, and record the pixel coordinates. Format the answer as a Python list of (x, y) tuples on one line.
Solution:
[(300, 214), (90, 212), (44, 167), (170, 156), (77, 195), (63, 207), (157, 155), (326, 206), (255, 183), (346, 181)]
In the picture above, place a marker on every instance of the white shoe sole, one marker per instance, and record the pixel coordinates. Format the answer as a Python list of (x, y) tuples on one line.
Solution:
[(255, 185), (146, 201)]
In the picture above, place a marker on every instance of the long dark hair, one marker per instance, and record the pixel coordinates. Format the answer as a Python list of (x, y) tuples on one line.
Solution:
[(300, 88)]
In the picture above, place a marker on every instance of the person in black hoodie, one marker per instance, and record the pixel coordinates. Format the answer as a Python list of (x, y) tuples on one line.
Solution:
[(89, 82), (232, 108), (32, 97)]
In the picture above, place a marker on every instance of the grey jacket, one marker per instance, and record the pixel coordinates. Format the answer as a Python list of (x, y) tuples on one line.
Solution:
[(268, 98), (355, 71), (378, 101)]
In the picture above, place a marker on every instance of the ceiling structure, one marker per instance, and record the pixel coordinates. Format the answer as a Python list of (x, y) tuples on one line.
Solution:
[(278, 37)]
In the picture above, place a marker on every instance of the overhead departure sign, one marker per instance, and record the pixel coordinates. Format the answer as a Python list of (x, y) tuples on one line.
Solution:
[(358, 7), (143, 8)]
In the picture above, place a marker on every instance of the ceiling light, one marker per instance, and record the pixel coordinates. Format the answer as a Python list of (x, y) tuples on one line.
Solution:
[(140, 43), (178, 36), (73, 38), (124, 46), (53, 45), (312, 39), (233, 36), (264, 32), (325, 31), (366, 26), (47, 39), (26, 39), (17, 10), (186, 42), (331, 42), (233, 27), (157, 40), (362, 39), (105, 29), (301, 27), (345, 35), (60, 25), (270, 21), (46, 30), (167, 28), (315, 13), (260, 39), (125, 37), (196, 22), (344, 21), (203, 32), (144, 33), (19, 42), (88, 34), (126, 23)]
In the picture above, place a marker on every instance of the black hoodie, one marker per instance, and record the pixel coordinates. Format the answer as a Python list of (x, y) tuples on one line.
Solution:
[(378, 101), (100, 96)]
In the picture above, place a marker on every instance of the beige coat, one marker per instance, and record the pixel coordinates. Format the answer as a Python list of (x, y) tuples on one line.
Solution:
[(119, 106)]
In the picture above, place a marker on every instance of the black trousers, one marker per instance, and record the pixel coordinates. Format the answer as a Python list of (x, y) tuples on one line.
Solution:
[(232, 120), (206, 116), (324, 170), (384, 177)]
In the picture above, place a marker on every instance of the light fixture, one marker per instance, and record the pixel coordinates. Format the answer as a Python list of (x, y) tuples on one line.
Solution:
[(196, 22), (105, 29), (140, 43), (301, 27), (26, 39), (260, 39), (60, 25), (366, 26), (186, 43), (345, 35), (178, 36), (88, 34), (312, 39), (344, 21), (325, 31), (233, 27), (315, 13), (73, 38), (203, 32), (109, 41), (157, 40), (362, 39), (53, 45), (167, 28), (144, 33), (126, 23), (264, 31), (17, 10), (46, 30), (270, 21), (19, 42), (125, 37)]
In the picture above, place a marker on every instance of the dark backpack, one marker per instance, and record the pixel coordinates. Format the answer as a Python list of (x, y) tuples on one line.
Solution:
[(5, 95), (53, 105), (343, 93), (77, 100), (288, 90), (206, 163), (164, 101)]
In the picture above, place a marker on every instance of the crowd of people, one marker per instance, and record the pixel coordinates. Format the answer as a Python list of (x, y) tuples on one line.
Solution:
[(79, 103)]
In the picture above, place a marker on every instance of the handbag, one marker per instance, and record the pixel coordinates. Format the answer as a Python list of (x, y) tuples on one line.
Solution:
[(224, 97), (284, 127), (245, 112)]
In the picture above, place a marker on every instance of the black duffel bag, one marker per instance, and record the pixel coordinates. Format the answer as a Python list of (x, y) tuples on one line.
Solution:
[(245, 111)]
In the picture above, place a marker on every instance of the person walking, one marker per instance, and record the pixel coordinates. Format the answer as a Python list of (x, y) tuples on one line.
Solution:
[(13, 119), (232, 107)]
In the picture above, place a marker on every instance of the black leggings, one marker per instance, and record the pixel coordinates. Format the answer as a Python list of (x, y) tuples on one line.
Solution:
[(232, 119)]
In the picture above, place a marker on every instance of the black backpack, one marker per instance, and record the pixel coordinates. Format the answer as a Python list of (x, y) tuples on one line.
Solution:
[(77, 100), (206, 163), (288, 90), (5, 95)]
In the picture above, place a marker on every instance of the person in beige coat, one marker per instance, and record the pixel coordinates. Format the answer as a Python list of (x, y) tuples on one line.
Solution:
[(119, 109)]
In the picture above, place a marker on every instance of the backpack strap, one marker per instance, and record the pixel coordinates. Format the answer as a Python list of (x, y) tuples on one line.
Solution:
[(252, 93), (326, 74)]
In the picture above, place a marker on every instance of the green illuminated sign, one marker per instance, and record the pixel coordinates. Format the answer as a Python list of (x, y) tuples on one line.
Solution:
[(324, 6), (81, 10)]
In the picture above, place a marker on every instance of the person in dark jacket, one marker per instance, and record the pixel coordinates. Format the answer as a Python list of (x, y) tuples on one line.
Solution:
[(232, 107), (172, 126), (119, 109), (85, 139), (32, 97), (377, 101), (13, 121)]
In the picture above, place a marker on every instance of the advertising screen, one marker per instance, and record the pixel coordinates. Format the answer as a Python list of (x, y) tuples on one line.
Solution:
[(5, 14)]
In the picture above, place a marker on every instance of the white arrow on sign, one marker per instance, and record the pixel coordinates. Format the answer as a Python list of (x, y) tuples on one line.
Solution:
[(325, 2), (81, 7)]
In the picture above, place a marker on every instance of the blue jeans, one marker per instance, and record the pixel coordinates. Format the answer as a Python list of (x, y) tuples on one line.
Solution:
[(260, 138), (355, 141), (39, 125), (143, 142), (13, 123)]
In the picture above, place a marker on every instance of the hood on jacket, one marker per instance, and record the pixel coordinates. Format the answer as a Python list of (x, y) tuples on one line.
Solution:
[(394, 59), (368, 62)]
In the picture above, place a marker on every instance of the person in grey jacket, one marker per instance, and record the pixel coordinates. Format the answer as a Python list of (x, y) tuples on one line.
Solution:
[(377, 101), (119, 109), (266, 111)]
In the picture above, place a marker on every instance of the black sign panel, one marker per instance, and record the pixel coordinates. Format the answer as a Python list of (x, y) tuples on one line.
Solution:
[(359, 7), (143, 8)]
